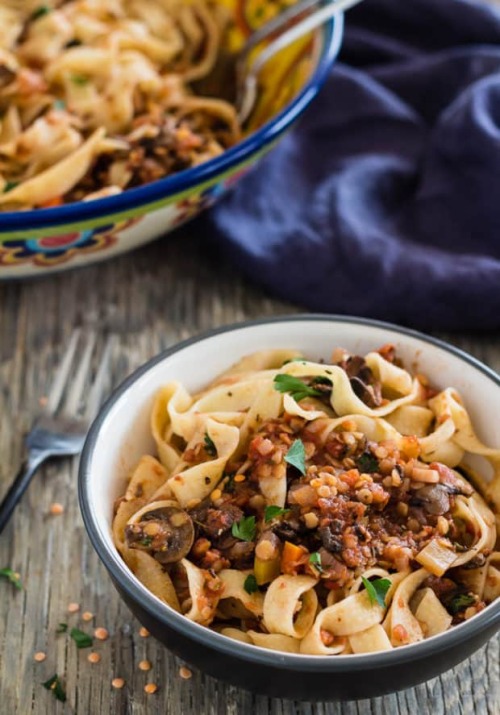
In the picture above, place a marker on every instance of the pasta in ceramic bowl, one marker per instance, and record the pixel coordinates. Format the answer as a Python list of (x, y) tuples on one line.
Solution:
[(113, 128), (311, 495)]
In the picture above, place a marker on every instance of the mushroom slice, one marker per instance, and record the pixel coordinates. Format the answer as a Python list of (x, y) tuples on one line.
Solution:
[(163, 529)]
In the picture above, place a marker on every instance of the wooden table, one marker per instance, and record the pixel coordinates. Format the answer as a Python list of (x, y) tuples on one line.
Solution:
[(149, 299)]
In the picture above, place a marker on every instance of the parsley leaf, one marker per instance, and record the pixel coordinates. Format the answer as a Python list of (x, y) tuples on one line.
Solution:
[(12, 576), (210, 447), (59, 104), (271, 512), (296, 456), (377, 590), (40, 12), (315, 560), (460, 603), (55, 685), (146, 541), (297, 388), (79, 79), (244, 529), (82, 640), (367, 463), (250, 584), (62, 628), (9, 185)]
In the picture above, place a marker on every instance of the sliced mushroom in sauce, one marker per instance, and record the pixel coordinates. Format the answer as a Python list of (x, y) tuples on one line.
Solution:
[(163, 529), (434, 498)]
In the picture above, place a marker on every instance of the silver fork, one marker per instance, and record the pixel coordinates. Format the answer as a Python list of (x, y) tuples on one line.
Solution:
[(287, 27), (61, 428)]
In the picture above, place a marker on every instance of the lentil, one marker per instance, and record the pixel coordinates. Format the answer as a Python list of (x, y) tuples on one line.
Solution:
[(101, 634), (311, 520), (56, 509)]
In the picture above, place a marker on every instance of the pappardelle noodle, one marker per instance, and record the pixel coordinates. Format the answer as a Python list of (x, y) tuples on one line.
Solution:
[(96, 96), (315, 508)]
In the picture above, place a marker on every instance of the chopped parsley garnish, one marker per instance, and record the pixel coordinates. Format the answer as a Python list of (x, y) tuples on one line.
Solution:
[(460, 603), (11, 576), (295, 359), (250, 584), (271, 512), (62, 628), (367, 463), (210, 447), (9, 185), (55, 685), (146, 541), (315, 560), (377, 590), (295, 387), (296, 456), (82, 640), (59, 104), (244, 529), (40, 12), (79, 79)]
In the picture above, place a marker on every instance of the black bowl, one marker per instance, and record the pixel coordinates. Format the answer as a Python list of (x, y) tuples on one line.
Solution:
[(117, 439)]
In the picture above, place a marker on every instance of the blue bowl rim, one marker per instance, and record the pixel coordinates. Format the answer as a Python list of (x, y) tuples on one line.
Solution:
[(171, 185), (469, 630)]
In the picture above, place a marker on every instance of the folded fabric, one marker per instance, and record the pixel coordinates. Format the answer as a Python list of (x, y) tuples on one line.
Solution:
[(385, 200)]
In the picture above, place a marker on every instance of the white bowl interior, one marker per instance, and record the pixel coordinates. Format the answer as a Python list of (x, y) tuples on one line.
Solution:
[(125, 434)]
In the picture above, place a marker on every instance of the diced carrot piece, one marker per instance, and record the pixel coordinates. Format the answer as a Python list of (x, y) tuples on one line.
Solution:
[(292, 557)]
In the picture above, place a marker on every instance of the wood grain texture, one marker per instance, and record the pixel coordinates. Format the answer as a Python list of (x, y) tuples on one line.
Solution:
[(147, 300)]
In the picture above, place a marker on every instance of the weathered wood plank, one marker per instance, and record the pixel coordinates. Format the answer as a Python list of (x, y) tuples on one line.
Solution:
[(148, 299)]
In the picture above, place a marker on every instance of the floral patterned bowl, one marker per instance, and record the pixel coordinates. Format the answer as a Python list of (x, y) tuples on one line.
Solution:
[(40, 241)]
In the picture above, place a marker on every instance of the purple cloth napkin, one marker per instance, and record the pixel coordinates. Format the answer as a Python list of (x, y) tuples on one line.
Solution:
[(385, 200)]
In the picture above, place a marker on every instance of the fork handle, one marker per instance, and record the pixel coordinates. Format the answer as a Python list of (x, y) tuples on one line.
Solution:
[(21, 482)]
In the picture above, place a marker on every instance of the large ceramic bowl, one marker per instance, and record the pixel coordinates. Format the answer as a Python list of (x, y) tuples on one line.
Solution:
[(121, 434), (38, 241)]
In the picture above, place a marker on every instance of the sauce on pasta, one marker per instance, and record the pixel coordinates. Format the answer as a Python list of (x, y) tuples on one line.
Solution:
[(315, 508), (96, 97)]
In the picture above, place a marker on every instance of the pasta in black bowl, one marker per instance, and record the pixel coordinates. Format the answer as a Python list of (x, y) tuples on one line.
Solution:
[(306, 512)]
